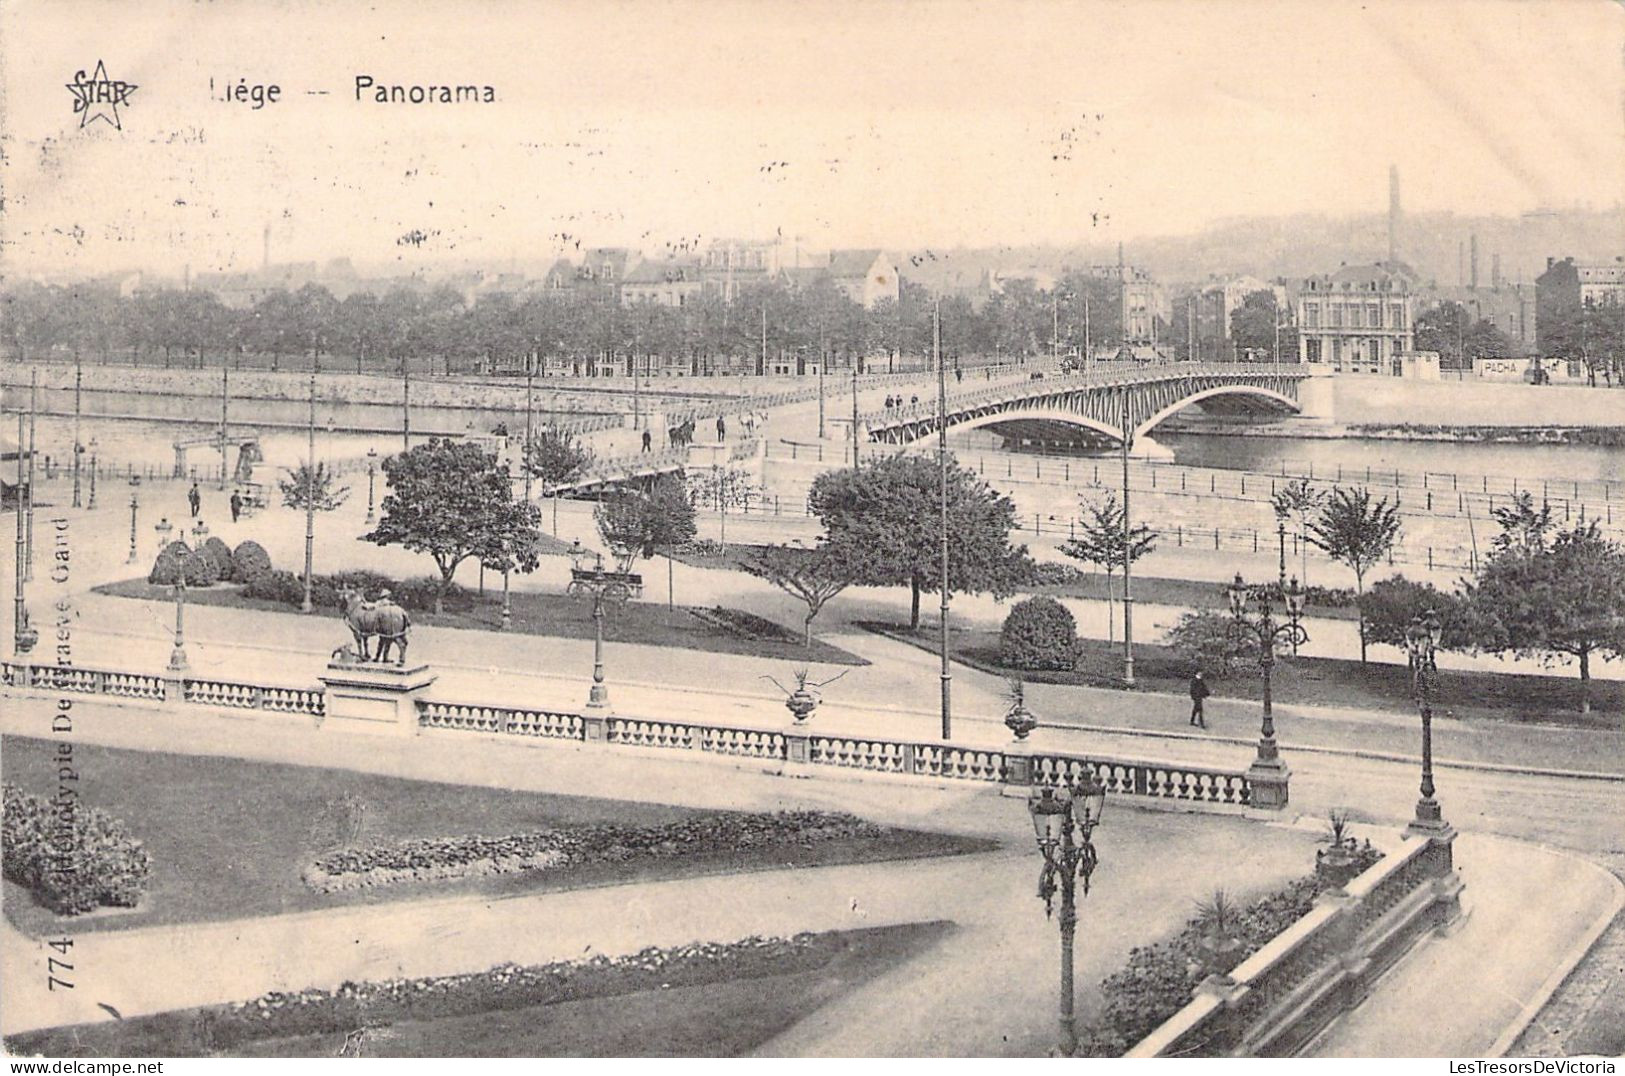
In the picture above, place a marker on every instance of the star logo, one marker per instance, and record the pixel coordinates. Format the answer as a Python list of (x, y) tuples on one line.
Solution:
[(98, 97)]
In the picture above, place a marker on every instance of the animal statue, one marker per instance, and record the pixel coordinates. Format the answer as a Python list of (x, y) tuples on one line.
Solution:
[(381, 619)]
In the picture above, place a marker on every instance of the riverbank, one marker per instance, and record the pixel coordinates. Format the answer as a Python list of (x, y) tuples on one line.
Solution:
[(1311, 429)]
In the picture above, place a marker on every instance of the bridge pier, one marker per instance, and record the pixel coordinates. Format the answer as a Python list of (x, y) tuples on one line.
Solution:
[(1316, 397)]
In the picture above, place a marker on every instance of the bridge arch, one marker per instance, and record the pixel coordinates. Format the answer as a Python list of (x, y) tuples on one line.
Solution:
[(1057, 415), (1273, 400)]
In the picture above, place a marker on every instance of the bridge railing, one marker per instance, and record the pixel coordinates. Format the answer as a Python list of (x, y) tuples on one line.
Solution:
[(1052, 384)]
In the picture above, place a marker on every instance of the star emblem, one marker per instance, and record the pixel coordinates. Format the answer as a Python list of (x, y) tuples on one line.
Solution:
[(98, 97)]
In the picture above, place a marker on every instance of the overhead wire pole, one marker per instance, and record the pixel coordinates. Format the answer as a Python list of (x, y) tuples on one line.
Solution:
[(942, 470), (1128, 589), (406, 403), (854, 412), (19, 619), (33, 417), (530, 391), (225, 410), (78, 450)]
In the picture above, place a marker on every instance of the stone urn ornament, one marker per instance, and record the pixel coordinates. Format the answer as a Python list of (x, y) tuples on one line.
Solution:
[(27, 636), (1018, 719), (1339, 862), (805, 698)]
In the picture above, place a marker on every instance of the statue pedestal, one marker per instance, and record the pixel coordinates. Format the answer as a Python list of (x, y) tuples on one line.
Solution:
[(377, 698)]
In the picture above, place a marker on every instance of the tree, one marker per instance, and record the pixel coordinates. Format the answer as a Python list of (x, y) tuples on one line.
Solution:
[(556, 458), (1566, 596), (888, 512), (1212, 642), (812, 575), (1296, 501), (1101, 542), (452, 500), (644, 522), (1253, 326), (1524, 528), (311, 489), (1354, 530), (1390, 606)]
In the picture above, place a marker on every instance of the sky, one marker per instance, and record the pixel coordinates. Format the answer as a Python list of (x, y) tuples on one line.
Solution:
[(904, 125)]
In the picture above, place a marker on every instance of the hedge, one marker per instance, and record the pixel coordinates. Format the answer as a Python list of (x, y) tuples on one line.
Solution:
[(249, 561), (73, 858)]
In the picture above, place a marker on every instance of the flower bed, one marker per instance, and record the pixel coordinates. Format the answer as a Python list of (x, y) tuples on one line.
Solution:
[(221, 1029), (466, 857), (1159, 979), (74, 859)]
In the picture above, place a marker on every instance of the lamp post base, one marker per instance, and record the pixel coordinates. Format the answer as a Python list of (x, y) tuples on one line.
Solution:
[(1269, 778)]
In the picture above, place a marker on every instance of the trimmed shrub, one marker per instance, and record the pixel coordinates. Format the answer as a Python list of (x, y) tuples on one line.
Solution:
[(1039, 633), (166, 569), (178, 549), (1050, 574), (73, 858), (1389, 604), (249, 561), (277, 586), (200, 570), (1211, 642), (220, 553)]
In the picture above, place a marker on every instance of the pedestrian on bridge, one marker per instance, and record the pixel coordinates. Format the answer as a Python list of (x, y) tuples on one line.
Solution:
[(647, 440), (722, 429), (195, 499)]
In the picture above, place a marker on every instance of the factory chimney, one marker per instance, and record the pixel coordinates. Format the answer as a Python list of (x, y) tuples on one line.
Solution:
[(1472, 262), (1393, 213), (1495, 271), (265, 258)]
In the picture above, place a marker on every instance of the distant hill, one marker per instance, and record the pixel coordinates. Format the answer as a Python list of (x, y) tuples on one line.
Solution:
[(1298, 245)]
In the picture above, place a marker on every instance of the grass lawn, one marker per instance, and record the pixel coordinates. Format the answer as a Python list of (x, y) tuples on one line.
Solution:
[(1344, 682), (644, 623), (229, 837)]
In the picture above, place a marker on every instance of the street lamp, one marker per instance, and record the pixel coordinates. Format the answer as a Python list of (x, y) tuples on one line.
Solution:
[(1422, 643), (200, 534), (177, 656), (372, 473), (163, 528), (1059, 814), (135, 503), (1268, 773), (600, 585), (93, 446)]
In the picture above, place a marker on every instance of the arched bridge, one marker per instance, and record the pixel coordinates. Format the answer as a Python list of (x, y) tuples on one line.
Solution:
[(1093, 405)]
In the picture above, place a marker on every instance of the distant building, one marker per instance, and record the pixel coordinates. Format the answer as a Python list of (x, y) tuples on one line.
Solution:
[(1566, 286), (1509, 307), (1215, 302), (1144, 301), (596, 278), (867, 276), (674, 282), (730, 267), (1358, 320)]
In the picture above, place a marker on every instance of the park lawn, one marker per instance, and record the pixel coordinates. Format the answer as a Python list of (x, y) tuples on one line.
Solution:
[(641, 623), (229, 837), (725, 1014), (1339, 682)]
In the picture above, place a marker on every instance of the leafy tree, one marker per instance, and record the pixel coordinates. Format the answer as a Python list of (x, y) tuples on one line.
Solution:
[(1253, 326), (1101, 542), (1524, 528), (1297, 501), (453, 500), (1391, 605), (813, 575), (660, 518), (1566, 597), (555, 458), (1354, 530), (889, 513), (1212, 642), (311, 489)]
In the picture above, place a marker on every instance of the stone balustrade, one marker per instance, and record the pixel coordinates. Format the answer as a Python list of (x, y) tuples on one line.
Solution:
[(796, 745), (1281, 997)]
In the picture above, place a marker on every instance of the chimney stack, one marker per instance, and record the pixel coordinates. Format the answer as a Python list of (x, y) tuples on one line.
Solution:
[(1461, 264), (1495, 271), (265, 258), (1473, 261)]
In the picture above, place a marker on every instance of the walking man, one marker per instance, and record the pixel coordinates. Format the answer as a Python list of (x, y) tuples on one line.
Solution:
[(195, 499), (236, 504), (1199, 692), (646, 440), (722, 429)]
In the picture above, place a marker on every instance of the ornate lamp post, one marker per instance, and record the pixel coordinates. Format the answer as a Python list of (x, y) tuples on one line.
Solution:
[(372, 475), (1268, 774), (135, 503), (1064, 821), (93, 447), (1422, 643), (163, 528), (177, 656), (200, 533), (600, 585)]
